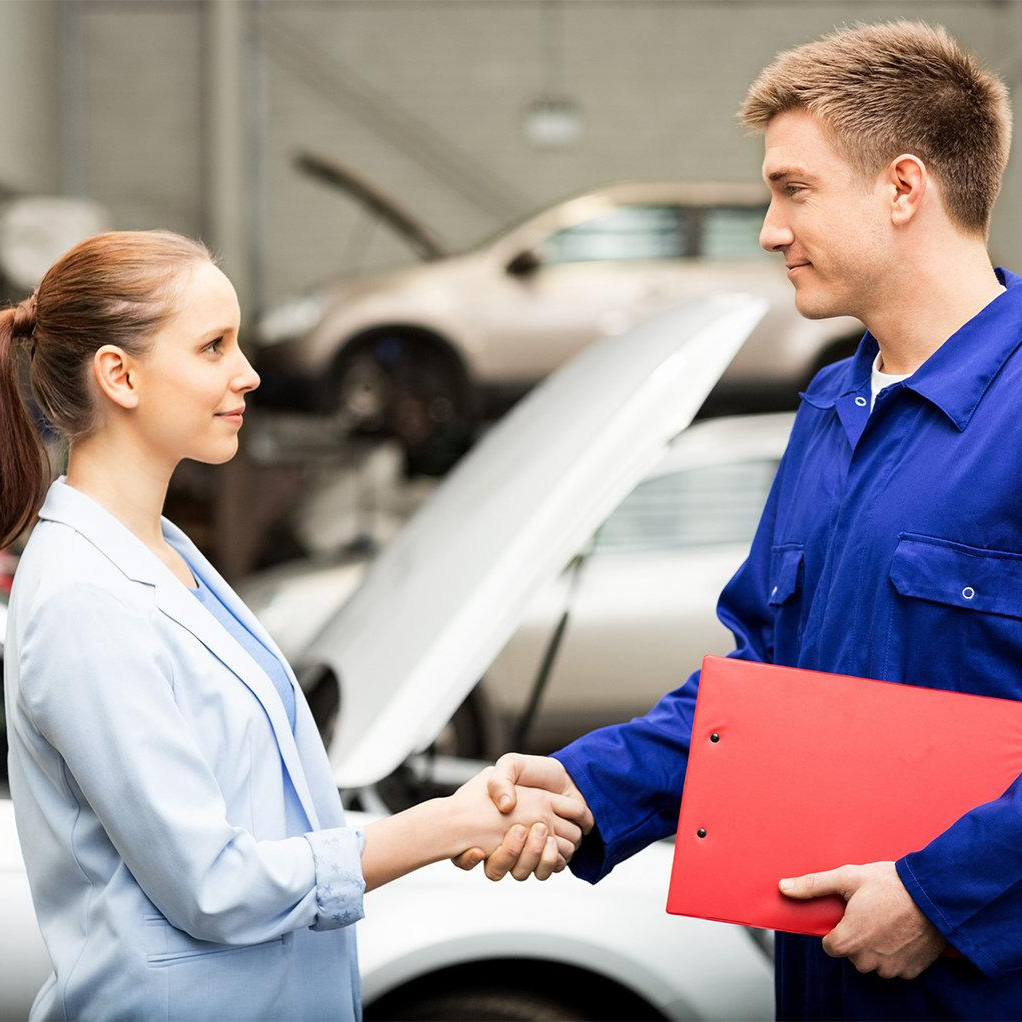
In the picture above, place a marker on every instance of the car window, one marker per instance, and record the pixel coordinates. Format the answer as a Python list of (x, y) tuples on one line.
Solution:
[(732, 232), (660, 232), (626, 233), (712, 504)]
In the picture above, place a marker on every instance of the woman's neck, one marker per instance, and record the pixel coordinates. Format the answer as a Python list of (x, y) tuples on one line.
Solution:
[(132, 489)]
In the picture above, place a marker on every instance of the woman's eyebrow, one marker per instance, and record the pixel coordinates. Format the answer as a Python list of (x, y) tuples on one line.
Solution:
[(216, 333)]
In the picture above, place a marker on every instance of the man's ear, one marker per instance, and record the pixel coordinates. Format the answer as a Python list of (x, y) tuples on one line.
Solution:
[(906, 181), (114, 377)]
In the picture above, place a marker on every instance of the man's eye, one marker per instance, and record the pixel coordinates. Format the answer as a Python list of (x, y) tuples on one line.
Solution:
[(214, 345), (793, 189)]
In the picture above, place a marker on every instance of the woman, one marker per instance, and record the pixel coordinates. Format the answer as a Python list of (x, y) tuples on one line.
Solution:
[(183, 836)]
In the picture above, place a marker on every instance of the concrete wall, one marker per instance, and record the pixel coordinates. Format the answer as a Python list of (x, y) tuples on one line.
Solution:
[(30, 83), (426, 97)]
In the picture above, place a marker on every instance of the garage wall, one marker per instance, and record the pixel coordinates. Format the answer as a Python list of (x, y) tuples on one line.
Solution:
[(30, 148), (426, 97)]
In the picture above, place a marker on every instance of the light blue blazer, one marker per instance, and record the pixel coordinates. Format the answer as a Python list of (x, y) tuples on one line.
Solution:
[(186, 852)]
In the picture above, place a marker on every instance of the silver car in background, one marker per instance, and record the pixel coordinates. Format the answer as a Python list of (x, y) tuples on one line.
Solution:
[(420, 352)]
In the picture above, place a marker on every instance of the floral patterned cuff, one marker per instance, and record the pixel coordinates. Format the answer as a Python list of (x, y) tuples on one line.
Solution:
[(337, 854)]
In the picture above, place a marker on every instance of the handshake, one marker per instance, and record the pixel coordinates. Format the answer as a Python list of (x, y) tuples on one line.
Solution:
[(524, 816)]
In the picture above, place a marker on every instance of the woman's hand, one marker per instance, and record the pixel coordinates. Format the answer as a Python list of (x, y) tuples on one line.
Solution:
[(541, 820)]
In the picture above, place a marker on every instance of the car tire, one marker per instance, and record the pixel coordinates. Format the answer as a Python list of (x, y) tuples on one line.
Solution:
[(479, 1004), (396, 384)]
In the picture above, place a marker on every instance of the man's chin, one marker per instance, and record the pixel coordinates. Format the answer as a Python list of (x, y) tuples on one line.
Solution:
[(816, 306)]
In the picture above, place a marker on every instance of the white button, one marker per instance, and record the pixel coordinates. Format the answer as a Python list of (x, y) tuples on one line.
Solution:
[(773, 592), (968, 592), (861, 402)]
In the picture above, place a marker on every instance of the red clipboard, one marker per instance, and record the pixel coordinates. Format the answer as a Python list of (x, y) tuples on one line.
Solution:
[(793, 771)]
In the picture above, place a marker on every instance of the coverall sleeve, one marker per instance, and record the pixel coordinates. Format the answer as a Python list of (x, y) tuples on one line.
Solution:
[(968, 883), (98, 685), (632, 774)]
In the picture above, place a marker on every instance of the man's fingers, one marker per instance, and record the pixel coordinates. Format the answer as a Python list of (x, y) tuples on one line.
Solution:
[(842, 881), (469, 859), (548, 860), (530, 858), (568, 831), (574, 808), (507, 854), (565, 848)]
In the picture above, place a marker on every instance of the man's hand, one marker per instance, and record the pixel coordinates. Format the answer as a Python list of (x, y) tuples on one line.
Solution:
[(521, 853), (882, 929)]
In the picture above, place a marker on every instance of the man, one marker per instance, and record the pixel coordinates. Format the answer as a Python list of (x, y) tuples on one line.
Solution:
[(891, 543)]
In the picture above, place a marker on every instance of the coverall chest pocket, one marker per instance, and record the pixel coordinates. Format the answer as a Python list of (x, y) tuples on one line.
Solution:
[(787, 571), (956, 622)]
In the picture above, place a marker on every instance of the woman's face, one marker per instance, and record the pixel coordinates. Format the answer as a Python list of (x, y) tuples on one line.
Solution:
[(195, 375)]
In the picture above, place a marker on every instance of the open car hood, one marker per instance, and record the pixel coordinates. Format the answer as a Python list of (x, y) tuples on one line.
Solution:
[(449, 590), (422, 240)]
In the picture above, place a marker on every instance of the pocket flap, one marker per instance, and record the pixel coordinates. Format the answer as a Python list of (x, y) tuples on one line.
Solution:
[(973, 578), (786, 572)]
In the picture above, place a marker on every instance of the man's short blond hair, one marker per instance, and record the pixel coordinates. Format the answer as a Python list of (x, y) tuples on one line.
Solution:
[(900, 87)]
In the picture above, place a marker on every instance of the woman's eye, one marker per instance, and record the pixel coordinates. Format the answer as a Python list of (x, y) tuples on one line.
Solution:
[(214, 345)]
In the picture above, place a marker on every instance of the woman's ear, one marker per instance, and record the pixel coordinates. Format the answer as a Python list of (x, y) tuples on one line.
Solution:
[(906, 180), (113, 375)]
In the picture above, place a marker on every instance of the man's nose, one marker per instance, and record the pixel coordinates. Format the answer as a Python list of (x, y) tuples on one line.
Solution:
[(775, 236)]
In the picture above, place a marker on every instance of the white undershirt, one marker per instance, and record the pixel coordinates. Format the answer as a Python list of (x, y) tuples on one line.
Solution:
[(879, 380)]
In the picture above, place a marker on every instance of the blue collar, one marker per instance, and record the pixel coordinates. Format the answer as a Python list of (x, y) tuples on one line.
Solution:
[(956, 376)]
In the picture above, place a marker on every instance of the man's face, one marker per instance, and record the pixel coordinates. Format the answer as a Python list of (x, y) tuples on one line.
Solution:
[(824, 218)]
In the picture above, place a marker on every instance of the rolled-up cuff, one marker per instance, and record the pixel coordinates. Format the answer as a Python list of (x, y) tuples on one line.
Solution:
[(340, 886)]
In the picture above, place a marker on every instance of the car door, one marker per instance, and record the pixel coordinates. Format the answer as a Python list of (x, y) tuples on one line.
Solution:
[(600, 276)]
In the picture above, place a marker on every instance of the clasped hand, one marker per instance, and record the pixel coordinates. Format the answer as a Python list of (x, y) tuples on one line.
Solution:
[(517, 789), (540, 826)]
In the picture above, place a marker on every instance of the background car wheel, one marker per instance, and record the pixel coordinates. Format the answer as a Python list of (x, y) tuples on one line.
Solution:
[(411, 387), (480, 1004), (480, 990)]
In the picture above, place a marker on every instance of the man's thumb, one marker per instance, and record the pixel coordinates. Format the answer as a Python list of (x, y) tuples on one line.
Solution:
[(501, 783)]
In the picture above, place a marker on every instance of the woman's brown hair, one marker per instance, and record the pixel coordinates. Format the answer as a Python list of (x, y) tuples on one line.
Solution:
[(116, 288)]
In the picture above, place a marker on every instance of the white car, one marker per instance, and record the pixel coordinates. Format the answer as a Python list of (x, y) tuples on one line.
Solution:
[(402, 653), (637, 601)]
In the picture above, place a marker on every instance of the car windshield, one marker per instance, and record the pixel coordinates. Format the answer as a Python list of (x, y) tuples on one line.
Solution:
[(659, 232), (704, 506)]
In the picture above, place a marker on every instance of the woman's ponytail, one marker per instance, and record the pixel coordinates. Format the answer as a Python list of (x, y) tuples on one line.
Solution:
[(24, 467)]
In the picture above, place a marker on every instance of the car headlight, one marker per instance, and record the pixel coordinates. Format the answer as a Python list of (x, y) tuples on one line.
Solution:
[(292, 319)]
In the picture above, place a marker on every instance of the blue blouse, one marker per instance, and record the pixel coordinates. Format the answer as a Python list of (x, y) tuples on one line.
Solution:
[(251, 645)]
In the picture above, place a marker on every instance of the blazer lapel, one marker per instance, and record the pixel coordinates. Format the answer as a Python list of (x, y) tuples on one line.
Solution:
[(137, 561), (176, 602)]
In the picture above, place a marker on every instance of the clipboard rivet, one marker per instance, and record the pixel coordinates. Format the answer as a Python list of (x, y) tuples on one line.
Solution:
[(701, 832), (714, 737)]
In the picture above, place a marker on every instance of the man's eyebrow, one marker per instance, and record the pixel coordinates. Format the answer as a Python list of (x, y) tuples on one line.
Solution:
[(779, 175)]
